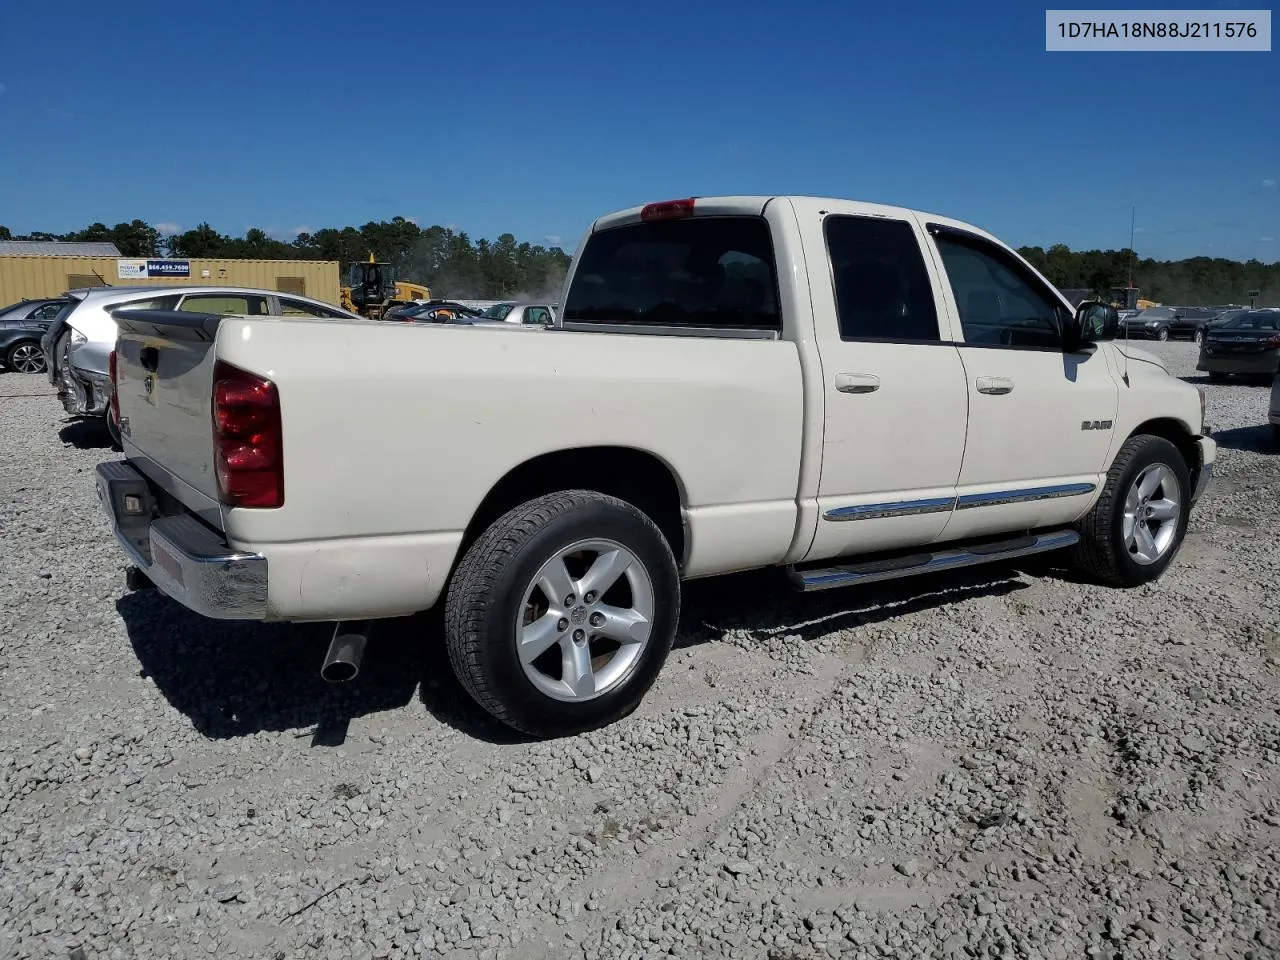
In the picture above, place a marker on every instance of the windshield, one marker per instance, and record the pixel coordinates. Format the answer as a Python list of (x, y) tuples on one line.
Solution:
[(1155, 313), (1268, 320), (498, 311)]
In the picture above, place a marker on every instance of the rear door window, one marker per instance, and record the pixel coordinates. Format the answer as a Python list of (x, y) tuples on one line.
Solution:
[(46, 311), (709, 272), (300, 308), (223, 304), (881, 284), (151, 303)]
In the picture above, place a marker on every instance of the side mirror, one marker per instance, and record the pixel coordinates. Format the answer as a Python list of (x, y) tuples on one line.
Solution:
[(1093, 322)]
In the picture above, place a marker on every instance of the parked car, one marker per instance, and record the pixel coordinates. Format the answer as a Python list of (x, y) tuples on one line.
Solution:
[(846, 391), (433, 311), (22, 324), (78, 343), (1248, 344), (534, 313), (1218, 320), (1165, 323)]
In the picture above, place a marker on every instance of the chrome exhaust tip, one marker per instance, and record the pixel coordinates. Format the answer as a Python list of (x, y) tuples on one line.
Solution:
[(346, 651)]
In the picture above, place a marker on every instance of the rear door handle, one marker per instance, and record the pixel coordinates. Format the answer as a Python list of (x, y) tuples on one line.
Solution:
[(995, 385), (857, 383)]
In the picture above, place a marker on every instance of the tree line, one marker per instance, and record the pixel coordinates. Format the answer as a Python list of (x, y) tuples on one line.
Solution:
[(454, 265), (1197, 281), (448, 261)]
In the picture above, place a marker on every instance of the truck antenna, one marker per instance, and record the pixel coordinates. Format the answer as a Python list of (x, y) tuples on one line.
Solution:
[(1133, 219)]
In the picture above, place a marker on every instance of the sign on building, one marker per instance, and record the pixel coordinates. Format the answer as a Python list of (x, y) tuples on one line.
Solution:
[(140, 269)]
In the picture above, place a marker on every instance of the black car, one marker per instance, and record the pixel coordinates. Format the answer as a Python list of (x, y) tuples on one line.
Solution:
[(1248, 345), (22, 324), (1167, 323), (441, 311), (1219, 319)]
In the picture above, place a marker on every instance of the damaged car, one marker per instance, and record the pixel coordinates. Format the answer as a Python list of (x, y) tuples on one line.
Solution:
[(78, 344)]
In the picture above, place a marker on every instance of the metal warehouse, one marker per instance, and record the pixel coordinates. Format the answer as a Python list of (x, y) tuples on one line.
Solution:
[(36, 269)]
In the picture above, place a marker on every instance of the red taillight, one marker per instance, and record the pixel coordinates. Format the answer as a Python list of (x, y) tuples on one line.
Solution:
[(668, 210), (1274, 340), (115, 391), (248, 444)]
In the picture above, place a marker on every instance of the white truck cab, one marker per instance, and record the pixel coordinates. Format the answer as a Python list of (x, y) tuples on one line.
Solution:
[(847, 391)]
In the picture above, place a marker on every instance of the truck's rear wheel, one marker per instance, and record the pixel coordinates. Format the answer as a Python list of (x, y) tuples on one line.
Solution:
[(562, 613), (1135, 529)]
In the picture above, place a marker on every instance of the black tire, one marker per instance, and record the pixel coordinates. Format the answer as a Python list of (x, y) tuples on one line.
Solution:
[(1101, 553), (15, 360), (1217, 378), (1162, 333), (1275, 437), (487, 590)]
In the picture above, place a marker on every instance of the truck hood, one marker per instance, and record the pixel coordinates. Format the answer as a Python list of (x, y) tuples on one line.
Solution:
[(1134, 352)]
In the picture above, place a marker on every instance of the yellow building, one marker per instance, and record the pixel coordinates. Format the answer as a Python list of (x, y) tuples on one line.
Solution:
[(43, 273)]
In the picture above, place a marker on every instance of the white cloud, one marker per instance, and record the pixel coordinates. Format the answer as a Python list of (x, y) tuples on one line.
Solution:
[(304, 228), (413, 220), (552, 239), (1268, 182), (167, 228), (1267, 239)]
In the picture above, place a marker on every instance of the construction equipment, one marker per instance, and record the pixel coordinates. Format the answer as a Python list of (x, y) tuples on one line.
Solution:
[(373, 289)]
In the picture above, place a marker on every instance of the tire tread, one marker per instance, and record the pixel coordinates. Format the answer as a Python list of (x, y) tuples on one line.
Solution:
[(476, 580), (1097, 553)]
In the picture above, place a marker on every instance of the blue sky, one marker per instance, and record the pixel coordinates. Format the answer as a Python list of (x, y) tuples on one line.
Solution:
[(533, 119)]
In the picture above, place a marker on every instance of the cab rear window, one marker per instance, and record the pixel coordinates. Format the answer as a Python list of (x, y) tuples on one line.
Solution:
[(715, 272)]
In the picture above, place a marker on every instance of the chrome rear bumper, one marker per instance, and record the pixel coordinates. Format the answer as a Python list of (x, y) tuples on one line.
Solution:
[(187, 560)]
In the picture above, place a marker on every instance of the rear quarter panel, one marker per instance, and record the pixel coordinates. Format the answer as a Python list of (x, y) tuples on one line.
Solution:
[(397, 432)]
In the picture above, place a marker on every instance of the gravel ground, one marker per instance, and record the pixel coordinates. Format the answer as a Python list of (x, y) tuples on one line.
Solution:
[(1000, 764)]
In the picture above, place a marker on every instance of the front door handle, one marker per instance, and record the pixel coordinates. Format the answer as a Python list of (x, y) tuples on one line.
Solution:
[(995, 385), (857, 383)]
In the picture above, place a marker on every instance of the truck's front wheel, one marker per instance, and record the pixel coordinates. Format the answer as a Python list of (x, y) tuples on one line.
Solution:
[(560, 616), (1134, 530)]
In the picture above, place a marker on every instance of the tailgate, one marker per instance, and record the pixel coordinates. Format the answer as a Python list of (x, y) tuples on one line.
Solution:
[(164, 382)]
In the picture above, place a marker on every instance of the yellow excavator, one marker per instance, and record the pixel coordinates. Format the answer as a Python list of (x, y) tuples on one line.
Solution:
[(372, 289)]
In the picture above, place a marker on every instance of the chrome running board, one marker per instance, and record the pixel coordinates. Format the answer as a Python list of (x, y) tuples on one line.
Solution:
[(909, 565)]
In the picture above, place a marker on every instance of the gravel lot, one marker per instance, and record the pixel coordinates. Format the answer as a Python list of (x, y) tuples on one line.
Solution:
[(1003, 764)]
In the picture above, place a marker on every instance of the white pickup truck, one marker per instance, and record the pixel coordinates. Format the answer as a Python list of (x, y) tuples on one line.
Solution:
[(848, 391)]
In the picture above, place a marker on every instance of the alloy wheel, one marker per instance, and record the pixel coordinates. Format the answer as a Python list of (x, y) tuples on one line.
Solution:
[(27, 358), (585, 620), (1152, 509)]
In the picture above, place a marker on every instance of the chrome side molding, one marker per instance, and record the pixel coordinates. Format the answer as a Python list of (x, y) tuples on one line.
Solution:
[(967, 501)]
